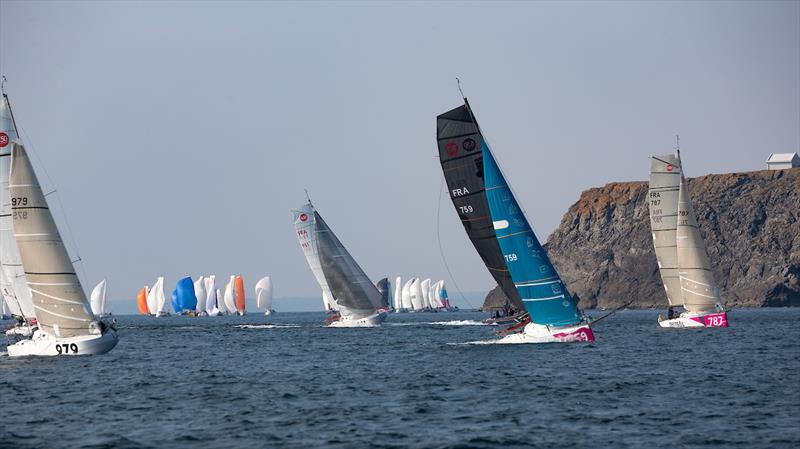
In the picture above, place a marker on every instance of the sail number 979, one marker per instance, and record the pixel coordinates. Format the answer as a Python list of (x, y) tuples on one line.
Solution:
[(65, 348), (19, 201), (510, 257)]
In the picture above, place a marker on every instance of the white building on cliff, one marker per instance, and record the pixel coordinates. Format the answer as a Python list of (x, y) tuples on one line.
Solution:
[(780, 161)]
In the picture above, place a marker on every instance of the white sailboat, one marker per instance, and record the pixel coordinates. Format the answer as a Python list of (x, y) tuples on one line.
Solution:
[(398, 295), (680, 250), (345, 286), (159, 300), (67, 325), (98, 299), (264, 295), (211, 296), (405, 296), (229, 298)]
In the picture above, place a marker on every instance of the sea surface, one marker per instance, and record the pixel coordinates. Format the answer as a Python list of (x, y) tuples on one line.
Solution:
[(286, 382)]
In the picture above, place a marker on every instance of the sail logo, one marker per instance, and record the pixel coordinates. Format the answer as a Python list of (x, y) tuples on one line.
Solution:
[(303, 217), (469, 144), (3, 139), (669, 167), (451, 149)]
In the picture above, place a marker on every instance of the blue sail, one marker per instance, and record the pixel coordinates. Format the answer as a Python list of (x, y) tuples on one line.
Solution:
[(543, 292), (183, 298)]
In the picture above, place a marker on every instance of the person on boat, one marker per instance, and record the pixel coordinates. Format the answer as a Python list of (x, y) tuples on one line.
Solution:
[(671, 313)]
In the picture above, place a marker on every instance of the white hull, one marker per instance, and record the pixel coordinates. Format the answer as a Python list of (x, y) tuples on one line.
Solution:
[(369, 321), (689, 320), (44, 344), (269, 312), (539, 333)]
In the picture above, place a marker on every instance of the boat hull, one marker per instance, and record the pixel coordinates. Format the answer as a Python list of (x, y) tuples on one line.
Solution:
[(694, 320), (539, 333), (370, 321), (45, 345)]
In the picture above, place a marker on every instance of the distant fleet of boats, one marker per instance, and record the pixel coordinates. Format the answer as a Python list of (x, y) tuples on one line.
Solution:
[(43, 294)]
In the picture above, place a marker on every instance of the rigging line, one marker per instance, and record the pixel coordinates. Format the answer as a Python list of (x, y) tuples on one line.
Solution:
[(613, 311), (71, 235), (441, 250)]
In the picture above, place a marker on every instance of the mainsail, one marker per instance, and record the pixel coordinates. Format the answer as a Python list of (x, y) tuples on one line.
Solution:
[(398, 298), (13, 282), (460, 153), (305, 228), (61, 306), (699, 289), (98, 298), (484, 199), (665, 179), (155, 297), (384, 289), (349, 286)]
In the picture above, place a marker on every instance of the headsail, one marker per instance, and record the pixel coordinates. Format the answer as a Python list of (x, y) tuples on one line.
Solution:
[(211, 295), (155, 296), (264, 294), (239, 294), (665, 178), (230, 296), (460, 144), (13, 282), (200, 293), (61, 306), (184, 298), (141, 301), (698, 287), (351, 289), (98, 298), (398, 298)]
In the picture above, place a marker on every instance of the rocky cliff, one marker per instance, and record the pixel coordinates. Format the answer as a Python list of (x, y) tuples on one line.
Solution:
[(750, 222)]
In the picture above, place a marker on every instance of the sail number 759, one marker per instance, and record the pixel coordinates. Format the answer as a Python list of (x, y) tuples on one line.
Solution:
[(510, 257)]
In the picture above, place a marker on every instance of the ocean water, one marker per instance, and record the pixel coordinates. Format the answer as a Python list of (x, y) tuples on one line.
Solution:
[(285, 381)]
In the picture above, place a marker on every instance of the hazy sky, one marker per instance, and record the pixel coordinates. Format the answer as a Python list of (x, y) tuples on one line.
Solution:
[(180, 135)]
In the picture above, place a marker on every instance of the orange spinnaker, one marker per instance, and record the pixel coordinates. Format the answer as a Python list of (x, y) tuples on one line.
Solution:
[(239, 290), (141, 301)]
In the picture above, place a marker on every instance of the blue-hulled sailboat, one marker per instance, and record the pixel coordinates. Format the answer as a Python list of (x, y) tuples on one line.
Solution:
[(502, 235)]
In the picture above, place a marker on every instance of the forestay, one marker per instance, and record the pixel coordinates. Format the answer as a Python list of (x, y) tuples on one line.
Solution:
[(60, 302), (665, 178)]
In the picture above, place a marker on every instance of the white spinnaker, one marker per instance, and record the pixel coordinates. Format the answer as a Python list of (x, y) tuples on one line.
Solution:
[(98, 298), (426, 293), (61, 306), (405, 295), (220, 302), (416, 295), (211, 295), (230, 297), (264, 294), (665, 177), (699, 289), (152, 297), (306, 235), (436, 302), (160, 298), (13, 283), (200, 294), (398, 294)]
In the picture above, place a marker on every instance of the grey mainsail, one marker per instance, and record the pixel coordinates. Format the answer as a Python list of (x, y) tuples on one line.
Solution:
[(665, 178), (61, 306), (384, 289), (351, 287), (460, 142), (699, 289)]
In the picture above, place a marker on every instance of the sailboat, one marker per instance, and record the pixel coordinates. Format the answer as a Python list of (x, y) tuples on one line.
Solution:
[(238, 290), (156, 300), (405, 296), (98, 299), (398, 298), (346, 289), (184, 300), (67, 325), (211, 296), (264, 295), (384, 288), (680, 250), (200, 293), (503, 237), (13, 281), (229, 296)]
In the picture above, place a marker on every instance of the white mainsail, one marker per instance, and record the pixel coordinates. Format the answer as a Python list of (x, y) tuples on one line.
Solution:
[(61, 306), (152, 296), (200, 294), (665, 177), (426, 293), (13, 282), (398, 294), (698, 287), (264, 294), (415, 292), (304, 226), (159, 298), (220, 302), (230, 298), (98, 298)]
